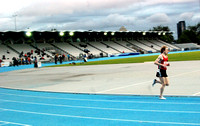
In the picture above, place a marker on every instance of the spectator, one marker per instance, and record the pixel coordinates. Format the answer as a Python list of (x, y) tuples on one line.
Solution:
[(29, 60), (4, 57), (56, 58), (85, 57), (101, 54), (15, 62), (35, 62), (68, 56), (0, 62), (26, 60), (61, 59)]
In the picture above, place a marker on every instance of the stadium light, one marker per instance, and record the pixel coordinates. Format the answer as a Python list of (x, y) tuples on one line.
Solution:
[(28, 34), (105, 33), (112, 33), (61, 33), (71, 33)]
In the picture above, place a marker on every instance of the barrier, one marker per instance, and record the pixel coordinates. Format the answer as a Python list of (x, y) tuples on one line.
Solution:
[(5, 64)]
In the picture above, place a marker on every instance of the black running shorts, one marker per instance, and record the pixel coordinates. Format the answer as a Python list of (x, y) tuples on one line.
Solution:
[(161, 73)]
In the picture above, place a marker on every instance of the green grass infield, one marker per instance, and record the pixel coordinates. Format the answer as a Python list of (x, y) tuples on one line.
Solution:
[(186, 56)]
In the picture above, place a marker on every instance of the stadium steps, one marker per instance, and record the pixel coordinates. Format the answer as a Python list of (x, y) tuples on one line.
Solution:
[(12, 49), (124, 46), (40, 50), (62, 50), (111, 47), (75, 46), (97, 48), (147, 45), (153, 43), (169, 45), (137, 47)]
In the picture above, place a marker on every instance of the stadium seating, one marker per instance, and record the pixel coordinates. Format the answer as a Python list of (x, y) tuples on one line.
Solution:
[(84, 46), (98, 49), (69, 48), (144, 47), (126, 44), (150, 44), (46, 47), (118, 47), (172, 47), (188, 46), (7, 52), (109, 50)]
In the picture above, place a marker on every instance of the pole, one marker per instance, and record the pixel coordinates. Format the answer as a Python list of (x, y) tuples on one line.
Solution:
[(15, 20)]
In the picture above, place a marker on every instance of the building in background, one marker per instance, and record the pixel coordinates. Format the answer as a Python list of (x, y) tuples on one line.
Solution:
[(180, 28)]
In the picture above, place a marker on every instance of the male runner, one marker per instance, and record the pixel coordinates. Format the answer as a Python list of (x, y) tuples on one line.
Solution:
[(162, 62)]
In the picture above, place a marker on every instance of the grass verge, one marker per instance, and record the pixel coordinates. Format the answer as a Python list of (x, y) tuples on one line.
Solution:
[(187, 56)]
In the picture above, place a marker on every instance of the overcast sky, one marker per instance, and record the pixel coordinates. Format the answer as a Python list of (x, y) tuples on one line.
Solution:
[(97, 14)]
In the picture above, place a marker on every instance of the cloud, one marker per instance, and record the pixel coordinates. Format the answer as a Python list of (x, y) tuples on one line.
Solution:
[(159, 18), (186, 16), (196, 18), (157, 2), (52, 7), (112, 21), (96, 14)]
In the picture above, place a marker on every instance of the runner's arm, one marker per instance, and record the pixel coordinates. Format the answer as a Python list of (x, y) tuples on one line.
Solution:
[(156, 62)]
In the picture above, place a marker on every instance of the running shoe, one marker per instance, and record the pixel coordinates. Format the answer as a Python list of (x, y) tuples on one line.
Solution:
[(154, 82), (162, 98)]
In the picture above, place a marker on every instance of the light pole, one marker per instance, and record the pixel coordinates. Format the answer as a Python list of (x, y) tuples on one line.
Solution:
[(15, 20)]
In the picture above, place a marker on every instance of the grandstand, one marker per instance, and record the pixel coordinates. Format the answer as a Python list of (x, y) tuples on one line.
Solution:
[(45, 45), (188, 46)]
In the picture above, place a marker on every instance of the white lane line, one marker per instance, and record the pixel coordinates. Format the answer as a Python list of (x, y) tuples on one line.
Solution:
[(93, 100), (124, 86), (98, 118), (6, 122), (103, 91), (196, 94), (100, 108)]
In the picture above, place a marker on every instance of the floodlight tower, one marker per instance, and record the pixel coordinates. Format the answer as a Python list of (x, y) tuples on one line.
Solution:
[(15, 20)]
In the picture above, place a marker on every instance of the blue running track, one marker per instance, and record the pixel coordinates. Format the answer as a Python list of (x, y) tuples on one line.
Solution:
[(25, 108)]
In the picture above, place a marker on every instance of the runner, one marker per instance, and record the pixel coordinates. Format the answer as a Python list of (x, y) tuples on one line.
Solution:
[(162, 62)]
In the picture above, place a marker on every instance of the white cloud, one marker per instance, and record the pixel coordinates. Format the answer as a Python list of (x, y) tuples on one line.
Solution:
[(156, 2), (112, 21), (196, 18), (96, 14), (186, 16), (159, 18)]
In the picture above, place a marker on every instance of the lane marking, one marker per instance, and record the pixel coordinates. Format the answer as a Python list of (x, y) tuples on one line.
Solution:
[(100, 108), (196, 94), (92, 100), (103, 91), (123, 87), (98, 118), (5, 123)]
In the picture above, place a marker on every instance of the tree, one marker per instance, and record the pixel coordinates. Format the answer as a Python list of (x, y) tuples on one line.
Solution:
[(192, 35), (160, 28), (167, 37)]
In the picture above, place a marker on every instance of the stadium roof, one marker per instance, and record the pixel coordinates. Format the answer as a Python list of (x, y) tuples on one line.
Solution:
[(64, 35)]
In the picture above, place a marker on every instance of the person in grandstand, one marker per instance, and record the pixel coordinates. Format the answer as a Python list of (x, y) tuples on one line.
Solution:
[(162, 62), (35, 62)]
